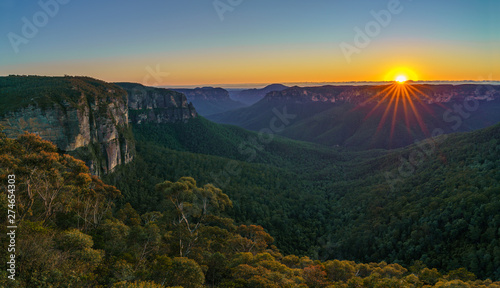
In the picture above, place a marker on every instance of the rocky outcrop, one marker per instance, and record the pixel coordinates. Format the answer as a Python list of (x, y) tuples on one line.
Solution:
[(205, 93), (363, 94), (209, 100), (252, 96), (157, 105), (84, 117)]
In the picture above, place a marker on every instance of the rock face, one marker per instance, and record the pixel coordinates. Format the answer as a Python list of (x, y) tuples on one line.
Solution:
[(209, 100), (370, 116), (205, 93), (252, 96), (84, 117), (364, 94), (157, 105)]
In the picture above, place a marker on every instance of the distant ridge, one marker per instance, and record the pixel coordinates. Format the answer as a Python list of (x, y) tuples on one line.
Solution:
[(248, 86), (210, 100), (252, 96), (351, 116)]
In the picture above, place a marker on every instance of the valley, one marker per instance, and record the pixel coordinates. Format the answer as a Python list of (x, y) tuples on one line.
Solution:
[(250, 144), (329, 198)]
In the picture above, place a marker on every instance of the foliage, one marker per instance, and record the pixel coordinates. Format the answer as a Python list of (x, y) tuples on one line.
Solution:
[(53, 187), (78, 240), (339, 204), (20, 91), (355, 117)]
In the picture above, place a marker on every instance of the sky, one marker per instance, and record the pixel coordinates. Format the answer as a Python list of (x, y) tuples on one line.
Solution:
[(206, 42)]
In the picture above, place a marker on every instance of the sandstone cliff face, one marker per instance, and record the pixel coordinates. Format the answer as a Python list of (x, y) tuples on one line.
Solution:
[(157, 105), (92, 126), (363, 94), (205, 93)]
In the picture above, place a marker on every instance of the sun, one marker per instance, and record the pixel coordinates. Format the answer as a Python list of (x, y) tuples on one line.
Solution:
[(402, 102), (399, 71), (401, 79)]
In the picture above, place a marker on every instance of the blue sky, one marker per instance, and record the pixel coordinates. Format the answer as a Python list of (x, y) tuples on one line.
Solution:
[(99, 38)]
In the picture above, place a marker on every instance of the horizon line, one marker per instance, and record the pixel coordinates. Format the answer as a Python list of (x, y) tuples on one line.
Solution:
[(265, 84), (322, 83)]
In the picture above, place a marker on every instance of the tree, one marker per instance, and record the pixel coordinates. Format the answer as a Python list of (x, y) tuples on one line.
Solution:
[(145, 242), (79, 247), (184, 272), (217, 268), (194, 207), (340, 270), (251, 238), (429, 276), (113, 237), (452, 284), (51, 183), (140, 284), (315, 276), (461, 274)]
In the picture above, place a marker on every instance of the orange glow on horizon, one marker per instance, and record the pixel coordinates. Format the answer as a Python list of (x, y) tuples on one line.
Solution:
[(217, 68), (401, 74)]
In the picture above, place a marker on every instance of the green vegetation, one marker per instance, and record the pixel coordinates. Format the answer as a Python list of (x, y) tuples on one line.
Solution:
[(77, 239), (441, 213), (210, 205), (20, 91), (271, 182), (346, 124), (336, 204), (204, 137)]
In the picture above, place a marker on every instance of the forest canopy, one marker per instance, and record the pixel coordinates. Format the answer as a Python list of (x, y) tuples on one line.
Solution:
[(71, 234)]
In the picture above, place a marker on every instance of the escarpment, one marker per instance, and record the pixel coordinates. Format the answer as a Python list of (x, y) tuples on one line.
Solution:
[(84, 117)]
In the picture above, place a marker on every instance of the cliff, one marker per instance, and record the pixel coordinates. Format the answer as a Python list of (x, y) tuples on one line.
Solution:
[(84, 117), (252, 96), (363, 94), (205, 93), (370, 116), (157, 105), (209, 100)]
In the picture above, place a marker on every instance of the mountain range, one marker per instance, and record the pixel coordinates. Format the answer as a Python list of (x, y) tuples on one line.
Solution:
[(368, 117), (252, 96), (209, 100)]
